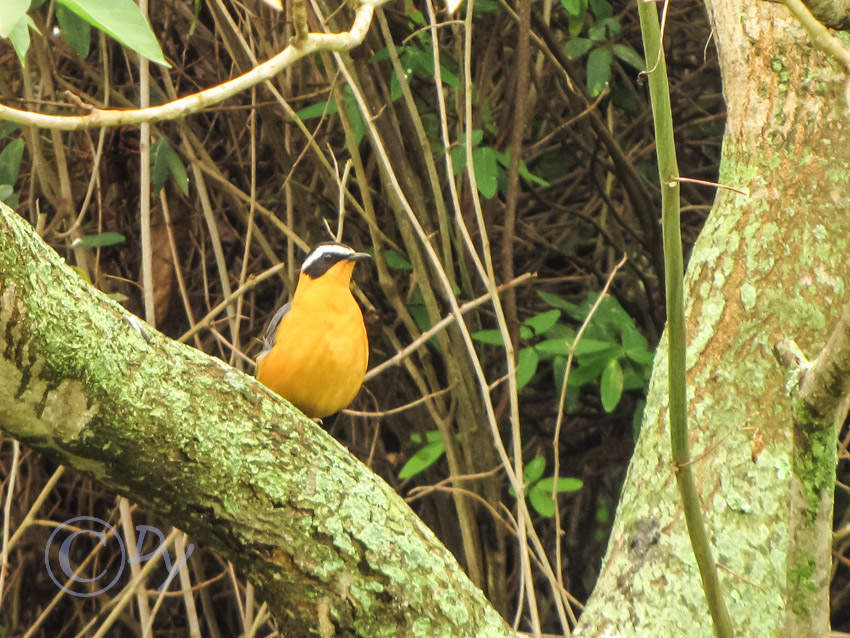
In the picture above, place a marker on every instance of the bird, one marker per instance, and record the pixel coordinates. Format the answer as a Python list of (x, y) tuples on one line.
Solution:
[(315, 348)]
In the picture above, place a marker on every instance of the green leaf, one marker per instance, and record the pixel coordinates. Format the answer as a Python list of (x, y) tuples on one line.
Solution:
[(431, 436), (420, 63), (382, 55), (20, 38), (561, 331), (420, 315), (634, 380), (530, 177), (422, 460), (505, 160), (632, 339), (6, 194), (611, 388), (417, 61), (571, 400), (612, 26), (533, 470), (396, 260), (587, 372), (573, 7), (178, 172), (491, 337), (159, 166), (592, 346), (11, 12), (123, 21), (636, 347), (10, 161), (395, 87), (637, 419), (552, 347), (628, 55), (603, 510), (354, 118), (555, 301), (611, 313), (577, 22), (458, 151), (526, 366), (75, 31), (543, 322), (165, 161), (458, 154), (99, 240), (565, 484), (485, 7), (601, 9), (449, 77), (486, 166), (541, 501), (7, 128), (598, 70), (196, 12), (577, 48), (597, 33), (417, 309), (317, 110)]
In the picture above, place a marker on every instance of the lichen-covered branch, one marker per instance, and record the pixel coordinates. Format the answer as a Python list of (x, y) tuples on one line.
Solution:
[(827, 384), (820, 403), (327, 543)]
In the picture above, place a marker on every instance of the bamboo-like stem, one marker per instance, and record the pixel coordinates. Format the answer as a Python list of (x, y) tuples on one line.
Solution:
[(668, 171)]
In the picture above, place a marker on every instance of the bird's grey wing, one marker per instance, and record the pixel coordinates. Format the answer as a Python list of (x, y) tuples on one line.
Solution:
[(268, 335)]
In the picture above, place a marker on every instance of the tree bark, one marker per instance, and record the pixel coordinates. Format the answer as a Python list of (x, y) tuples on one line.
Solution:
[(332, 549), (769, 265)]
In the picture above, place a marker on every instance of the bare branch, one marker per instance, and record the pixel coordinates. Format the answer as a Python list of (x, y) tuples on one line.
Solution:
[(195, 102)]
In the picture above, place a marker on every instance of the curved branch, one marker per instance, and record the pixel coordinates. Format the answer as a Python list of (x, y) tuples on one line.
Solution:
[(193, 103), (326, 542)]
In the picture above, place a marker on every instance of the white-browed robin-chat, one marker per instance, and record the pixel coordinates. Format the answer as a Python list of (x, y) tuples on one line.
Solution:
[(315, 349)]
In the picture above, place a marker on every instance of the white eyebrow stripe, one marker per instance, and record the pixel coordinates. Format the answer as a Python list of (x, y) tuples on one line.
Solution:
[(321, 251)]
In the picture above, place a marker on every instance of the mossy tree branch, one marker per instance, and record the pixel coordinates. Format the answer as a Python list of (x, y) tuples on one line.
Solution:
[(327, 543), (820, 394)]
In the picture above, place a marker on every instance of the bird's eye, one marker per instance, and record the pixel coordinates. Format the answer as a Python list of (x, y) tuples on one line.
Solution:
[(328, 257)]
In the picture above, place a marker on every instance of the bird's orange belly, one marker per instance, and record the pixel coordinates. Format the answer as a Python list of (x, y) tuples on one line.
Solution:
[(321, 373)]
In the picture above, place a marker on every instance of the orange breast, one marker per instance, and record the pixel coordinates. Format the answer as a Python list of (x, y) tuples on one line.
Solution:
[(320, 354)]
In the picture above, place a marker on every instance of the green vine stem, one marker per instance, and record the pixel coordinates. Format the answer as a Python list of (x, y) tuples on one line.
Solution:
[(668, 171)]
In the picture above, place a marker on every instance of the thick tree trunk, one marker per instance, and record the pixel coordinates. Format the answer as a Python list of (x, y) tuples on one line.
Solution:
[(769, 265), (332, 549)]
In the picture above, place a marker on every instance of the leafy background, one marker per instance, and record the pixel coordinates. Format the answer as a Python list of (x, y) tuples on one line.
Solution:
[(249, 183)]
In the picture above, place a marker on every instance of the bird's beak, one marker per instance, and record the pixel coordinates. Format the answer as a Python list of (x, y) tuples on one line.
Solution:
[(359, 257)]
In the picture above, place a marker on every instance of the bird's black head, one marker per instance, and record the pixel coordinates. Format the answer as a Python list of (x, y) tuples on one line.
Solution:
[(324, 256)]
